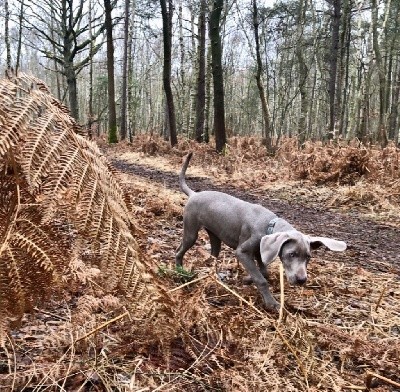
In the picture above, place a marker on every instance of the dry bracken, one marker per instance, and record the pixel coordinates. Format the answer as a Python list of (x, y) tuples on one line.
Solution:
[(60, 202)]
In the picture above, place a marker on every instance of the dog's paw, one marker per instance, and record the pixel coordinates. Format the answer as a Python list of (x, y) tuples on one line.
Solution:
[(272, 306), (247, 280)]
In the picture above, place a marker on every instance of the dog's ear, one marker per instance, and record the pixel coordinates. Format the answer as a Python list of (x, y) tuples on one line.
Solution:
[(330, 243), (271, 245)]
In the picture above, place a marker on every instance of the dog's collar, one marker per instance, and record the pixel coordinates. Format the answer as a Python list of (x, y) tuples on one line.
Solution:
[(271, 225)]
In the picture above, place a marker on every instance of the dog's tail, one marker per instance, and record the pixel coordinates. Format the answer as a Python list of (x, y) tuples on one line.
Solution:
[(182, 182)]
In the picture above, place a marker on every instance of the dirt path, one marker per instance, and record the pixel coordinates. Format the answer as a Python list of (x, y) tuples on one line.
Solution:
[(371, 245)]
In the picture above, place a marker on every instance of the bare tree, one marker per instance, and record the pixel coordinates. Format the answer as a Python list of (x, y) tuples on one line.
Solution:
[(64, 39), (112, 114), (131, 120), (20, 27), (91, 69), (218, 76), (342, 89), (267, 129), (303, 71), (201, 74), (382, 135), (166, 13), (124, 93), (7, 33), (335, 27)]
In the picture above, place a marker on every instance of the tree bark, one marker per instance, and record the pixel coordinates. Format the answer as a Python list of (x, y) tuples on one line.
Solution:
[(207, 109), (7, 34), (335, 27), (201, 76), (20, 22), (90, 103), (394, 110), (382, 135), (131, 106), (167, 35), (70, 75), (218, 78), (112, 116), (303, 73), (343, 79), (267, 128), (124, 95)]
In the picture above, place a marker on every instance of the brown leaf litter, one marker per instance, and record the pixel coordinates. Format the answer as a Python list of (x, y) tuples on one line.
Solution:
[(339, 333)]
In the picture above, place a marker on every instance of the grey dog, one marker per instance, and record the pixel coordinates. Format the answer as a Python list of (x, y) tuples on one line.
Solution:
[(255, 232)]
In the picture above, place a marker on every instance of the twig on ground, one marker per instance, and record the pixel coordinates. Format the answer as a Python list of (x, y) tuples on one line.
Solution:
[(188, 283), (381, 296), (282, 299), (370, 375), (239, 296), (100, 327)]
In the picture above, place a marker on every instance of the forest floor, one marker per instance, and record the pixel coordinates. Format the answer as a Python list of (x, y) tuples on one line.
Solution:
[(341, 332), (355, 292)]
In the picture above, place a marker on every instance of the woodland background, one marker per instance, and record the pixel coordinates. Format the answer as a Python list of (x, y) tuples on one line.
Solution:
[(311, 69)]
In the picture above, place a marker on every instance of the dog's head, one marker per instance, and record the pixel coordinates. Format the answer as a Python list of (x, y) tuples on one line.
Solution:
[(294, 250)]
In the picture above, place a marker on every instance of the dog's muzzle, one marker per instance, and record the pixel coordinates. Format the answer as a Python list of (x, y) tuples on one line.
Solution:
[(300, 280)]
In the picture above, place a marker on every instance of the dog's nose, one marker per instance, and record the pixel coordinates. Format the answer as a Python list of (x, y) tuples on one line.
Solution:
[(301, 279)]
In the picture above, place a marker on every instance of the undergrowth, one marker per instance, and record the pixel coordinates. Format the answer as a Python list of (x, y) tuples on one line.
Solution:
[(340, 332), (178, 274)]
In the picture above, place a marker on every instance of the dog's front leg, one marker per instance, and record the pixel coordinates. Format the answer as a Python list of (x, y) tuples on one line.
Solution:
[(245, 255)]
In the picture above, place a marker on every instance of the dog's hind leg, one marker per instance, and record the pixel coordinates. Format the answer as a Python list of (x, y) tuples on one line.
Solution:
[(215, 243), (187, 242), (190, 233)]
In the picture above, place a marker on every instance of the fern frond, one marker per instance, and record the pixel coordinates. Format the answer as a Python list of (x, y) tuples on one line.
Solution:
[(36, 142), (60, 200), (48, 157), (8, 138)]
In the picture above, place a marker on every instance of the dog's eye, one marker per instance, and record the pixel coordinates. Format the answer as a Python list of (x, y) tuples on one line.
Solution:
[(292, 254)]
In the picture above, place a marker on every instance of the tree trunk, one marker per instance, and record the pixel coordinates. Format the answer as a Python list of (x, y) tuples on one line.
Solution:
[(6, 34), (382, 136), (335, 26), (201, 76), (207, 109), (218, 79), (267, 129), (342, 92), (131, 106), (112, 115), (72, 90), (167, 35), (303, 73), (124, 97), (90, 104), (394, 109), (363, 127), (20, 22), (393, 70), (183, 102)]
